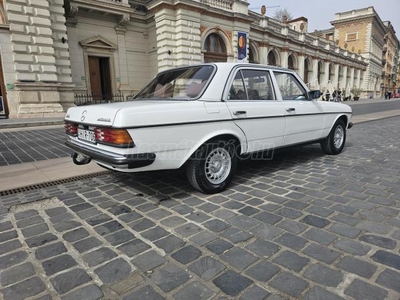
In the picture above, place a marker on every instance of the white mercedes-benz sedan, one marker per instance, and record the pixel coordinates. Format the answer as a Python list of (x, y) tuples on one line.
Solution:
[(204, 118)]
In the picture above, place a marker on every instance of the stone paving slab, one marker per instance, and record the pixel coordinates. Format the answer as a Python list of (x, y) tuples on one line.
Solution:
[(32, 145), (301, 226)]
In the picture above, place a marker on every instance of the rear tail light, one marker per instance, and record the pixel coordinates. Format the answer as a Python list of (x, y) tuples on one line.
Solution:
[(116, 137), (71, 128)]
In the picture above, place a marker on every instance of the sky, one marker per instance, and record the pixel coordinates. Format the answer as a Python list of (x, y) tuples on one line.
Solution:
[(320, 12)]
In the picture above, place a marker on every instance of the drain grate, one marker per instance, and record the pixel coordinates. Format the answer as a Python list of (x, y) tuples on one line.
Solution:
[(51, 183)]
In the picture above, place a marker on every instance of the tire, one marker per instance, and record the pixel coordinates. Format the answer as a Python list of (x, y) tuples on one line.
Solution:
[(207, 177), (336, 139)]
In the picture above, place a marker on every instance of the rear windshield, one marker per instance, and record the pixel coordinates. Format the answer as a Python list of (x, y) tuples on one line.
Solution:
[(182, 84)]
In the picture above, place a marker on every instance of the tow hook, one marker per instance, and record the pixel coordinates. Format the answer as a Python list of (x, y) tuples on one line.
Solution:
[(80, 159)]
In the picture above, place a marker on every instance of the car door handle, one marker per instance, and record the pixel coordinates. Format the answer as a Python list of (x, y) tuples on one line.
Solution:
[(239, 112), (290, 109)]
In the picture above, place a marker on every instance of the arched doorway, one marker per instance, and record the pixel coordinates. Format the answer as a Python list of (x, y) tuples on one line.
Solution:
[(253, 53), (291, 62), (331, 73), (320, 72), (307, 68), (215, 48), (251, 56), (271, 58)]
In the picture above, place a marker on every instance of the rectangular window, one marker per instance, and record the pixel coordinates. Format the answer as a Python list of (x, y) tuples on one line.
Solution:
[(351, 36), (290, 87), (252, 85)]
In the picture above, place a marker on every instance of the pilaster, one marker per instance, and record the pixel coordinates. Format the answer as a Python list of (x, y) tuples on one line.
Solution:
[(343, 83), (314, 77), (124, 86), (301, 66), (335, 82)]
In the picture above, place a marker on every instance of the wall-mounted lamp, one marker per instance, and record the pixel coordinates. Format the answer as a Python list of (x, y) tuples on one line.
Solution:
[(64, 40), (169, 52)]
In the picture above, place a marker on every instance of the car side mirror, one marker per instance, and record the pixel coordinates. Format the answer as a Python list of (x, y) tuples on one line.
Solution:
[(314, 94)]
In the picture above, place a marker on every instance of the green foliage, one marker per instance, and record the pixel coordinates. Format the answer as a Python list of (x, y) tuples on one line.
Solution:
[(280, 13), (356, 91)]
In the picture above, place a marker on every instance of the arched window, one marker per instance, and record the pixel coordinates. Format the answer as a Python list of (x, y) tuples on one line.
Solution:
[(271, 59), (306, 70), (251, 56), (291, 62), (320, 72), (215, 49)]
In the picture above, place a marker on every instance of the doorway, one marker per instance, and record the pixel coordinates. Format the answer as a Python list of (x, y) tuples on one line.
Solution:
[(100, 78)]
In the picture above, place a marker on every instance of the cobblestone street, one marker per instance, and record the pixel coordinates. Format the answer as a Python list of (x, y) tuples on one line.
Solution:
[(301, 226)]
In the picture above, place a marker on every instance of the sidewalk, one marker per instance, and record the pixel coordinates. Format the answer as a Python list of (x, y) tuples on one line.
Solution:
[(31, 122)]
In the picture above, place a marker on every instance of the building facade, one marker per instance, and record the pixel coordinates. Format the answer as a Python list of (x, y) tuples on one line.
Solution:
[(52, 50), (362, 31)]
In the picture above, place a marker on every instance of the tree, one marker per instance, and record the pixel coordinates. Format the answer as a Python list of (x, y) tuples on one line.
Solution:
[(280, 13)]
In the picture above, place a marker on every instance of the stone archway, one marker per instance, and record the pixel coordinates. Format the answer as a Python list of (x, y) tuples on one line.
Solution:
[(273, 58), (292, 62), (253, 53), (216, 45)]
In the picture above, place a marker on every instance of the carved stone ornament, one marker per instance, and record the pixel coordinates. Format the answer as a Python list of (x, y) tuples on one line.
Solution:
[(353, 48), (98, 42), (73, 11), (302, 26), (345, 45), (125, 18), (337, 42), (263, 10)]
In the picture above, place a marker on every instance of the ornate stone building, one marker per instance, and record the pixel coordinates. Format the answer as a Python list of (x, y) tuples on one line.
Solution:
[(54, 49), (390, 59), (362, 31)]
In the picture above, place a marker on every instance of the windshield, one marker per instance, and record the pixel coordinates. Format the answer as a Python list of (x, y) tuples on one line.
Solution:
[(183, 83)]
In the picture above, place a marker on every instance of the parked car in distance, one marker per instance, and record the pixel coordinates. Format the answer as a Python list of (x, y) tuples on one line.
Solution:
[(203, 118)]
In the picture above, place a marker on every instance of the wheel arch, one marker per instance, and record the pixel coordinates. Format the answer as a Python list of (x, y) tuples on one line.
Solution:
[(238, 137)]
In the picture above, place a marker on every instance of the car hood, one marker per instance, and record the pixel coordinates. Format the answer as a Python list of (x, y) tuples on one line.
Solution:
[(138, 113)]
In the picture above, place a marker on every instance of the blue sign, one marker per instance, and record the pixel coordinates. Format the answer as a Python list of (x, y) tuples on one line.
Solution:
[(242, 45)]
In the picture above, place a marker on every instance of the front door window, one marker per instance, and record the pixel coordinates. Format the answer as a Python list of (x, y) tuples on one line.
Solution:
[(290, 87)]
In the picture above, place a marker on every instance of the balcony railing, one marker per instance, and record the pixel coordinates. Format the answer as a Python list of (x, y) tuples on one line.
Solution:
[(224, 4)]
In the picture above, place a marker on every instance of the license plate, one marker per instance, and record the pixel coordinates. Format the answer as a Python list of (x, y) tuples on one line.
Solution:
[(86, 135)]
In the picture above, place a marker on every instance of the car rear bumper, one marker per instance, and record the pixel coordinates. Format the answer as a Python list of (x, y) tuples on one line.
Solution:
[(129, 161)]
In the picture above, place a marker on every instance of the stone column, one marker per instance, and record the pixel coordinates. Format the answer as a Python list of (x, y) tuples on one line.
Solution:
[(314, 75), (36, 89), (284, 57), (343, 83), (335, 76), (263, 51), (123, 84), (178, 37), (61, 53), (351, 77), (300, 71), (325, 77), (358, 82)]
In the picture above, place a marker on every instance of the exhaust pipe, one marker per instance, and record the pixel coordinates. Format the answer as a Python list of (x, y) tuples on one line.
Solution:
[(80, 159)]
